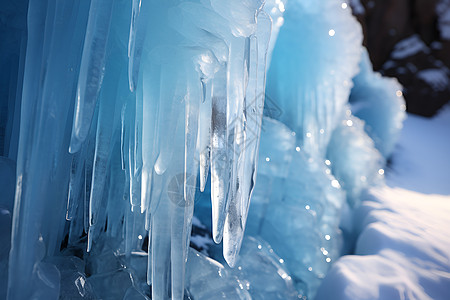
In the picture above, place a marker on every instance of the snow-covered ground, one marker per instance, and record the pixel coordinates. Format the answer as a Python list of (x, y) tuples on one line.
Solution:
[(403, 249)]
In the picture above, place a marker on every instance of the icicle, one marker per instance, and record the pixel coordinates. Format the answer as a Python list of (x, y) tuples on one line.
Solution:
[(91, 70), (150, 95), (134, 192), (220, 171), (236, 142), (180, 242), (123, 137), (116, 206), (75, 183), (171, 96), (161, 235), (204, 131), (102, 147)]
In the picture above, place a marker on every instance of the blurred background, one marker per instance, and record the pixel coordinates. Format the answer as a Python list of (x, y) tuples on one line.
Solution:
[(410, 40)]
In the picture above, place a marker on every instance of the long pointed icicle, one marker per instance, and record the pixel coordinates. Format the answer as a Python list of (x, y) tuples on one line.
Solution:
[(150, 94), (236, 144), (75, 185), (138, 31), (102, 145), (172, 93), (204, 132), (91, 70), (247, 155), (219, 156)]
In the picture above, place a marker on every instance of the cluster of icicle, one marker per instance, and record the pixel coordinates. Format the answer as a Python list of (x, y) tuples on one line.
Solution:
[(178, 92)]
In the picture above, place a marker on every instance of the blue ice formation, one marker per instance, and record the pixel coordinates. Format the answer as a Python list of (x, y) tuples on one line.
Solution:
[(316, 159), (127, 109), (321, 62), (137, 78), (297, 198), (379, 102), (353, 158)]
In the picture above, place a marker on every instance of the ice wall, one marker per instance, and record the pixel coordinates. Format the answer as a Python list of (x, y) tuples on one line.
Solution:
[(316, 159), (139, 78), (13, 35), (310, 75), (297, 202)]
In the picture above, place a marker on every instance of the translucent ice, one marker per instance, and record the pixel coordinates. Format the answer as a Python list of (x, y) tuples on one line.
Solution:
[(206, 279), (154, 93), (73, 282), (309, 77), (379, 102), (7, 182), (354, 160), (262, 272)]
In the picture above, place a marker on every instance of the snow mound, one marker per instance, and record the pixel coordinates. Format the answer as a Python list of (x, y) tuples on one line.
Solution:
[(402, 251)]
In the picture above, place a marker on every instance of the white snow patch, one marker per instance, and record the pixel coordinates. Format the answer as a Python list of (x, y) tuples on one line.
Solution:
[(443, 12), (421, 161), (404, 241), (436, 78), (357, 7), (197, 222), (202, 242)]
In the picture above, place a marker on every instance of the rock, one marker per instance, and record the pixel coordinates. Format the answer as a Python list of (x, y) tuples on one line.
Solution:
[(420, 27)]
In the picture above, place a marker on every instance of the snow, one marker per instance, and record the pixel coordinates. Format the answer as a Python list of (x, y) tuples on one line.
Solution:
[(421, 161), (402, 249), (437, 78), (408, 47), (357, 7), (443, 12)]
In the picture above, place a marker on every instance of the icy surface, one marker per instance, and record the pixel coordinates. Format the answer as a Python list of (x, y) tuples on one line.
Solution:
[(206, 279), (262, 272)]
